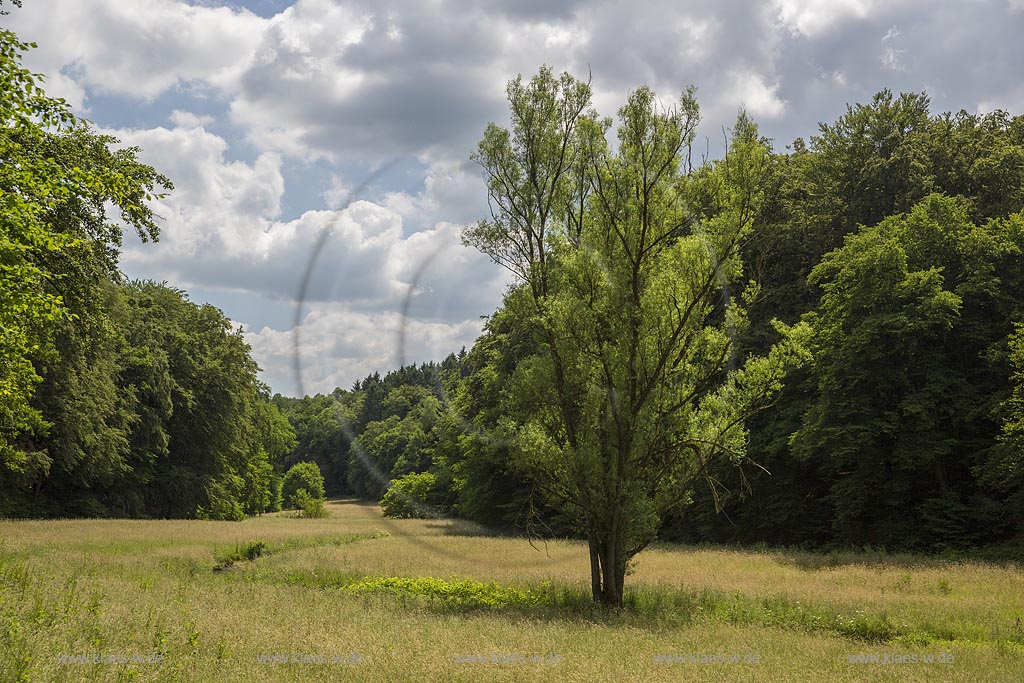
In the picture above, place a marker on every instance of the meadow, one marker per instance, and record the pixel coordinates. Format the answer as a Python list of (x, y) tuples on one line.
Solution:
[(357, 597)]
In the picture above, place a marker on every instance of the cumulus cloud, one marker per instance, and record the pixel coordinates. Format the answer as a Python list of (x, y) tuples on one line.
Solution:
[(334, 346), (229, 102), (892, 56), (140, 48), (813, 17), (220, 232), (369, 281), (758, 98), (218, 207)]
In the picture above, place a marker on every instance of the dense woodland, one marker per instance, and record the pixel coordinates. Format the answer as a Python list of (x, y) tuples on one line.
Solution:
[(895, 235)]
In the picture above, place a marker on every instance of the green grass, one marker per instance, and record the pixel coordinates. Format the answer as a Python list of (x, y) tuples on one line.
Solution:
[(657, 606), (255, 549), (356, 597)]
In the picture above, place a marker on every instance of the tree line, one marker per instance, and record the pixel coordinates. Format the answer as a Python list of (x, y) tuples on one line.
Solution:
[(894, 237), (117, 397), (816, 345)]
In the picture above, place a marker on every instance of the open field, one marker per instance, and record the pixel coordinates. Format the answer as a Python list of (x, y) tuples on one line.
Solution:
[(335, 600)]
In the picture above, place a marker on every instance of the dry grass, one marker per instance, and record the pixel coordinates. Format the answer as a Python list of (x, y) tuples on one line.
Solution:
[(124, 588)]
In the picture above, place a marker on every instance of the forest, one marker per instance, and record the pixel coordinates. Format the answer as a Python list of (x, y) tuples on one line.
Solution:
[(856, 361)]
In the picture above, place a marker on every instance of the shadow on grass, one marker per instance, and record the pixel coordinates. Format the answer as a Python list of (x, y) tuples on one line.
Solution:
[(1011, 553), (1007, 555), (646, 607), (453, 526), (351, 501)]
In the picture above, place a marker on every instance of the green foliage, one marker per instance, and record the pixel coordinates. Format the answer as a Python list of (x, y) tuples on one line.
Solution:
[(401, 443), (411, 496), (56, 177), (623, 261), (242, 553), (309, 506), (901, 339), (1004, 471), (212, 448), (880, 159), (322, 427), (327, 425), (255, 549), (155, 409), (302, 476), (459, 593)]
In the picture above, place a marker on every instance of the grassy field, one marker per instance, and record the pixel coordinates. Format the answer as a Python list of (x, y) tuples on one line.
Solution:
[(355, 597)]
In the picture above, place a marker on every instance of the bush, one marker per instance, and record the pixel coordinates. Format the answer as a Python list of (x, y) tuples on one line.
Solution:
[(304, 475), (411, 496), (309, 506), (247, 553)]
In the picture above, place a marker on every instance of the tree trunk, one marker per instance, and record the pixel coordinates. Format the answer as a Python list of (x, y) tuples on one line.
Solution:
[(607, 573), (595, 567)]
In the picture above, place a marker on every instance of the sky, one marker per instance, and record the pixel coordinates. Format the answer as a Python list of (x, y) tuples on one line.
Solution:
[(328, 142)]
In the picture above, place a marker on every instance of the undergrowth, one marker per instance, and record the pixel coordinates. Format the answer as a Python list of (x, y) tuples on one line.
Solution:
[(254, 549), (651, 607)]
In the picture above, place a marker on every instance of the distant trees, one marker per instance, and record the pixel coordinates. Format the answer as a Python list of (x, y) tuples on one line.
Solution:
[(156, 410), (1004, 473), (324, 426), (411, 496), (910, 310)]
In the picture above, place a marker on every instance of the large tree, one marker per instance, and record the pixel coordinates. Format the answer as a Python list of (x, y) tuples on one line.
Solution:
[(624, 261), (57, 247)]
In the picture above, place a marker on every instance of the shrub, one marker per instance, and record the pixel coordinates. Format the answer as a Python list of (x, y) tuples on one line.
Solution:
[(247, 553), (304, 475), (411, 496), (456, 592), (309, 506)]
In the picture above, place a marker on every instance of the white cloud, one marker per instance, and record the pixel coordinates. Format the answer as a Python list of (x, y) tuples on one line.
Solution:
[(337, 345), (750, 91), (140, 48), (337, 192), (813, 17), (184, 119), (892, 57), (220, 230), (218, 207), (453, 191), (344, 81), (354, 81)]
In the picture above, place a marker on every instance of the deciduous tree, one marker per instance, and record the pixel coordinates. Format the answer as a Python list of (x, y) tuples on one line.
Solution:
[(624, 261)]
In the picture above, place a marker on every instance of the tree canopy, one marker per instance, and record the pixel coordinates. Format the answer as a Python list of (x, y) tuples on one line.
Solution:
[(625, 260)]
